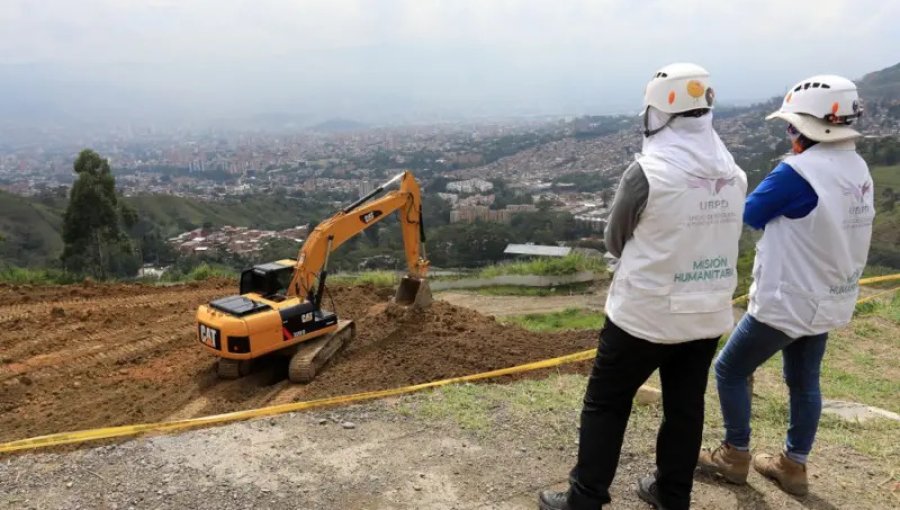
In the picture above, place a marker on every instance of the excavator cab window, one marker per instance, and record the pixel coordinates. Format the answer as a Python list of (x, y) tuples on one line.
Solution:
[(268, 280)]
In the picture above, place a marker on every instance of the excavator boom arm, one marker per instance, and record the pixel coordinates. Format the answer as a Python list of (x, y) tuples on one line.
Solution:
[(335, 231)]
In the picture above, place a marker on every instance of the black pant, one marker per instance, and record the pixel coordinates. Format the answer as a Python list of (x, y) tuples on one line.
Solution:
[(622, 365)]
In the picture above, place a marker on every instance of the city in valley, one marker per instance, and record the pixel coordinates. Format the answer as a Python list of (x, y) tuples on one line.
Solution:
[(482, 172)]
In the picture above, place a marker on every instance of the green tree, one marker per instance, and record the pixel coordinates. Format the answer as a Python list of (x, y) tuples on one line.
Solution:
[(277, 249), (95, 242), (463, 244), (504, 196)]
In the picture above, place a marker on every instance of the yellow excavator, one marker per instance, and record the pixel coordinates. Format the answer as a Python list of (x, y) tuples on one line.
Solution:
[(279, 308)]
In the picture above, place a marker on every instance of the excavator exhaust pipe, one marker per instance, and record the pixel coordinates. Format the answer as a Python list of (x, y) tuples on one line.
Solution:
[(413, 292)]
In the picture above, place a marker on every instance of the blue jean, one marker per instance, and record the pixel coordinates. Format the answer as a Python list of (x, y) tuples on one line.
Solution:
[(750, 345)]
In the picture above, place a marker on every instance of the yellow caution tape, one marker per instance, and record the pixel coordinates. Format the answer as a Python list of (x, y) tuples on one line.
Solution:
[(877, 295), (82, 436), (880, 279), (740, 299)]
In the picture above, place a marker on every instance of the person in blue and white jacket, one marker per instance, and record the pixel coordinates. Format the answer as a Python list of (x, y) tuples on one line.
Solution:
[(816, 208)]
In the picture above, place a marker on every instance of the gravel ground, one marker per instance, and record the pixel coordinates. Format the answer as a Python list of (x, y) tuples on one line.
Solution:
[(362, 457)]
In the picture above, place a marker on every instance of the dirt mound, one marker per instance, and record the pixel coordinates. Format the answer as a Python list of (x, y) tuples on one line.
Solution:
[(353, 302), (93, 355), (397, 347)]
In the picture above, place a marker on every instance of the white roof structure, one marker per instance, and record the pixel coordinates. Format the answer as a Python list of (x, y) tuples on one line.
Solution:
[(537, 250)]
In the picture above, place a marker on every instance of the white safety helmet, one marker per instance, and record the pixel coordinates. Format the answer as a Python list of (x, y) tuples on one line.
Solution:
[(822, 108), (678, 88)]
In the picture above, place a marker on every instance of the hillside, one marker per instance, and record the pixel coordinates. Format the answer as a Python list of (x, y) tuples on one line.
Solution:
[(31, 227), (173, 214), (30, 230), (883, 84), (885, 249)]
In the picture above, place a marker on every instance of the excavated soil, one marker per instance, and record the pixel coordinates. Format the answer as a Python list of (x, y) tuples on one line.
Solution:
[(92, 355)]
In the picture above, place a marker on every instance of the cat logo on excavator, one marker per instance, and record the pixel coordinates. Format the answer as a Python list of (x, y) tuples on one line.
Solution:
[(369, 217), (209, 336)]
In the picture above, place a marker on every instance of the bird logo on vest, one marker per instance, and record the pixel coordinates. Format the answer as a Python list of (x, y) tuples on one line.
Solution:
[(858, 192), (713, 186)]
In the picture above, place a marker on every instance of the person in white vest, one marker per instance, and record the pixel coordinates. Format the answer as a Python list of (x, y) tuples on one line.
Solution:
[(817, 210), (674, 224)]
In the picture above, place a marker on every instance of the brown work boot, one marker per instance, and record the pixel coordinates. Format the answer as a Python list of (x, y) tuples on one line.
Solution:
[(790, 475), (731, 464)]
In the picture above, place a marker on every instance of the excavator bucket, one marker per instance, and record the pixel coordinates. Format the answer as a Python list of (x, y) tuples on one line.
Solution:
[(413, 292)]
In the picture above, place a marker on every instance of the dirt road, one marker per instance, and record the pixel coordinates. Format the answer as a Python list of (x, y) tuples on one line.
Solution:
[(85, 356), (500, 306)]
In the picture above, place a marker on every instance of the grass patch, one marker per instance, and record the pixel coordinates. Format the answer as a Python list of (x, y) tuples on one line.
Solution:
[(376, 278), (890, 310), (547, 407), (204, 271), (568, 319), (857, 377), (28, 276), (466, 405), (546, 266), (515, 290), (886, 177)]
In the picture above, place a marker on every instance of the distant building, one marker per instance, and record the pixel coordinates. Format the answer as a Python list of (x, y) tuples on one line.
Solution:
[(594, 219), (470, 186), (521, 208), (476, 200), (537, 250), (365, 187), (473, 213), (451, 198), (239, 240)]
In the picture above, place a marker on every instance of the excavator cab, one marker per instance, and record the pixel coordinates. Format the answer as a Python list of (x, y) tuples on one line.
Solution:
[(270, 280)]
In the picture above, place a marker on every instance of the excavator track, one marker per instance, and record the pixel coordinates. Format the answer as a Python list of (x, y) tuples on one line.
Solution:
[(232, 368), (313, 355)]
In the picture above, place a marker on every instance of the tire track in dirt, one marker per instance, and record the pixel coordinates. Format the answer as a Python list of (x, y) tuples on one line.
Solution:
[(81, 357), (73, 327), (21, 311)]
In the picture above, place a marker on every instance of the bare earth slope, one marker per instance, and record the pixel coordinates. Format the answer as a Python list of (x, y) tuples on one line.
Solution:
[(95, 355)]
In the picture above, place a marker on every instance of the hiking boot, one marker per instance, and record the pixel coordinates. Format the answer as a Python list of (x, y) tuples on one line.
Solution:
[(790, 475), (553, 500), (726, 461), (647, 491)]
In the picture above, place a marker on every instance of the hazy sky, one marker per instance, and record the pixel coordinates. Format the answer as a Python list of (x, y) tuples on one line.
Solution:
[(383, 60)]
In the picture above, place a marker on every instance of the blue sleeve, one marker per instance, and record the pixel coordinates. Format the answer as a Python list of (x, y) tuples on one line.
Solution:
[(782, 193)]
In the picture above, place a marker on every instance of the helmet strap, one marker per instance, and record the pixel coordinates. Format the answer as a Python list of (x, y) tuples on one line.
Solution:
[(650, 132)]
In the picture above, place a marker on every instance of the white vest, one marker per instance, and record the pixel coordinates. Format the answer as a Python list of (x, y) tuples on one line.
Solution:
[(676, 276), (806, 272)]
